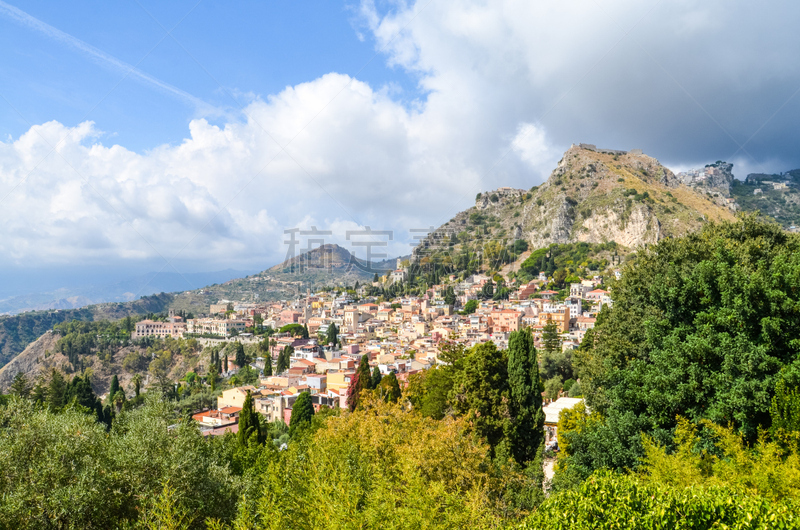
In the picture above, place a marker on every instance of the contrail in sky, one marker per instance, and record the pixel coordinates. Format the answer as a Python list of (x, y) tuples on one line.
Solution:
[(109, 60)]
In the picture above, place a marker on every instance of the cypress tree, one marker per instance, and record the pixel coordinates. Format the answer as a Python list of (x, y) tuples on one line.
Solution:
[(333, 334), (225, 364), (376, 377), (108, 416), (213, 374), (524, 429), (302, 412), (285, 359), (137, 383), (113, 389), (241, 359), (364, 375), (249, 425), (268, 365)]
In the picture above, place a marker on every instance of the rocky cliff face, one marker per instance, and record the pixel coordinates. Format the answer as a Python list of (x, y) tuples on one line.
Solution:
[(591, 196), (35, 361)]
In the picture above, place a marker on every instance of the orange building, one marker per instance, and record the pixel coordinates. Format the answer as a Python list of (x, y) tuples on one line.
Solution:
[(506, 320), (559, 317)]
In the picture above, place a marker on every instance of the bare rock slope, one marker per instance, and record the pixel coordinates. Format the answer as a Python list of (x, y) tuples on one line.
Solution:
[(592, 196)]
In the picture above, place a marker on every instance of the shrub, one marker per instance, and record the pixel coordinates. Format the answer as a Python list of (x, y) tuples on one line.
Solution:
[(606, 501)]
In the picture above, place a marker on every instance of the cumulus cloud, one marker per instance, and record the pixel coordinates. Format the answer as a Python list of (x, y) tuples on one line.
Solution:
[(331, 153), (686, 80), (504, 87)]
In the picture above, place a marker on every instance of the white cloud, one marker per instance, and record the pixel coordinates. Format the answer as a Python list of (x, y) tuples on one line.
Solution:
[(506, 86), (331, 153)]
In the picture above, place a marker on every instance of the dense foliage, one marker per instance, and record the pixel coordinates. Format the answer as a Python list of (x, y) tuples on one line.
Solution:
[(609, 501), (701, 327), (63, 470)]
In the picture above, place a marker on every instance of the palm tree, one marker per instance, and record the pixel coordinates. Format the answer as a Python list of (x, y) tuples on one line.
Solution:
[(119, 399), (137, 383)]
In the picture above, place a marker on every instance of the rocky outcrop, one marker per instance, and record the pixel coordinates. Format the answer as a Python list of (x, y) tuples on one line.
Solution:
[(35, 361), (591, 196), (640, 228)]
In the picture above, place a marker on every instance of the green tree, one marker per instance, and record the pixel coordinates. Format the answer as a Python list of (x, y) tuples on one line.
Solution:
[(113, 388), (376, 378), (333, 334), (429, 391), (450, 296), (66, 470), (470, 307), (551, 339), (389, 388), (212, 377), (701, 327), (137, 383), (295, 330), (785, 409), (249, 424), (118, 400), (20, 386), (247, 376), (302, 412), (481, 391), (524, 429), (364, 373), (241, 358), (159, 370), (284, 359), (552, 387), (56, 391), (487, 291), (268, 365)]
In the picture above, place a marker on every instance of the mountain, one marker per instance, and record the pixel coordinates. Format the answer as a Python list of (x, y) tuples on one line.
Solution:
[(592, 196), (330, 264)]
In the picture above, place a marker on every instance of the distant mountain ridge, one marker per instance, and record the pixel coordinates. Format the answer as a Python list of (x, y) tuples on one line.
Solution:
[(119, 291)]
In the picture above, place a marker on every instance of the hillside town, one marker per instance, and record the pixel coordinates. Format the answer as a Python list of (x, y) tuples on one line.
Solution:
[(400, 336)]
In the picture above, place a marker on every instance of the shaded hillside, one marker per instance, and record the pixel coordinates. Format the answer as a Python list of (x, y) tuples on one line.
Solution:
[(16, 332), (103, 348)]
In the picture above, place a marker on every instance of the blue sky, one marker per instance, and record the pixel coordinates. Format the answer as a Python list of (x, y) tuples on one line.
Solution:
[(252, 118), (216, 50)]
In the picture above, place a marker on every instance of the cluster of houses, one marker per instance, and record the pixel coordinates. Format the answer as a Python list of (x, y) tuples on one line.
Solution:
[(400, 336)]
